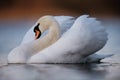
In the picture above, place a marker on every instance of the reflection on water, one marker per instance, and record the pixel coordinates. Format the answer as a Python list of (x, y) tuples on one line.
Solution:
[(101, 71)]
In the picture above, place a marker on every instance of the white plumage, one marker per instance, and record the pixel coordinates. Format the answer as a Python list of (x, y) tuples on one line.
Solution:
[(66, 40)]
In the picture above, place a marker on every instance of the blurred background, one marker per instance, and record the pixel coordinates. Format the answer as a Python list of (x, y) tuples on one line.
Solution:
[(12, 9), (17, 16)]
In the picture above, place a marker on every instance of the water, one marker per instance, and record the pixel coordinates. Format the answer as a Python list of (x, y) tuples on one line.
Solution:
[(11, 34), (103, 71)]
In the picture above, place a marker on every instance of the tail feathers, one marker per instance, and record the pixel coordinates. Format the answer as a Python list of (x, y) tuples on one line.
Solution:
[(94, 32), (95, 58)]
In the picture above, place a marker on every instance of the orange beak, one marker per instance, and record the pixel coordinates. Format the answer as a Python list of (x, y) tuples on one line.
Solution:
[(37, 34)]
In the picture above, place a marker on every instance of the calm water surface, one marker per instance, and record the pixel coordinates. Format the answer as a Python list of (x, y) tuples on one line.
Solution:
[(102, 71)]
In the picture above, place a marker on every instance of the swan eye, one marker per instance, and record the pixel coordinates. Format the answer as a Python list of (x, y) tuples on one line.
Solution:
[(37, 31)]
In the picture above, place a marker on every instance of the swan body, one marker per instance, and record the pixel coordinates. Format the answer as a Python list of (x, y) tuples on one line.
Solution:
[(64, 40)]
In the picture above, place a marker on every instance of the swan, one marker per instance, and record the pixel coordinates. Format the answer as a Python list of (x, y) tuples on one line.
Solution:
[(61, 40)]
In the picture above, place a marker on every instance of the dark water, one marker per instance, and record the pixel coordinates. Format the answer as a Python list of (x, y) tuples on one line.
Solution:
[(102, 71), (11, 34)]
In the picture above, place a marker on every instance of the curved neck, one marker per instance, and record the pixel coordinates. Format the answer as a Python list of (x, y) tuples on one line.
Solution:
[(52, 36)]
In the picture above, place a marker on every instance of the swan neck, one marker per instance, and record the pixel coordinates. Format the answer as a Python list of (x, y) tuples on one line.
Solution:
[(50, 38), (54, 31)]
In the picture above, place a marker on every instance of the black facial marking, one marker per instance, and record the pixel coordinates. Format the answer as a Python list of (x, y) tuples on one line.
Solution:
[(37, 29)]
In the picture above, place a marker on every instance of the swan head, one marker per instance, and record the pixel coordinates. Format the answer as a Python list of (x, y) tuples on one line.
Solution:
[(41, 25), (45, 22), (38, 29)]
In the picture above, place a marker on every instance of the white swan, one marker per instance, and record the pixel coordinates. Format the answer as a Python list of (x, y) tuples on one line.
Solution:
[(60, 44)]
